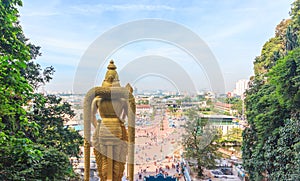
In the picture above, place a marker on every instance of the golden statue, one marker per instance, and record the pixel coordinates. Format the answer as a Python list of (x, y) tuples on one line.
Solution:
[(111, 140)]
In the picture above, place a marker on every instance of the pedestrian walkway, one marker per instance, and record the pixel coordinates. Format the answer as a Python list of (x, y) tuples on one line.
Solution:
[(166, 168)]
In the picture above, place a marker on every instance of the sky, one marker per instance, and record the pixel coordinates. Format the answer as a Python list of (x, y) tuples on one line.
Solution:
[(233, 30)]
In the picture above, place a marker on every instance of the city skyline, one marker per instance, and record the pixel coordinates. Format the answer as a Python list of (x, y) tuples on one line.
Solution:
[(232, 30)]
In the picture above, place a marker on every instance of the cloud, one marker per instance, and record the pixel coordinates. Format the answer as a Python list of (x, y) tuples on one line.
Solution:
[(61, 52), (246, 10), (40, 8), (42, 13), (229, 31), (141, 7), (59, 47), (64, 29), (59, 60), (76, 46), (100, 8)]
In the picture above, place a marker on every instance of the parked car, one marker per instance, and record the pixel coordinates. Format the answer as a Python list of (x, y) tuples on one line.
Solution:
[(219, 174), (216, 174), (226, 171)]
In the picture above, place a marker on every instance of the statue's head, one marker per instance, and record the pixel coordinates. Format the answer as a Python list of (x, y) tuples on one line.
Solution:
[(111, 76)]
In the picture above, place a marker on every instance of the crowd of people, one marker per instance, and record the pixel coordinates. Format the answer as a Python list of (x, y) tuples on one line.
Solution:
[(155, 149)]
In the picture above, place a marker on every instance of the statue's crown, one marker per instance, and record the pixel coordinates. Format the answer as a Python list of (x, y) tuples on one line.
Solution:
[(111, 76), (111, 65)]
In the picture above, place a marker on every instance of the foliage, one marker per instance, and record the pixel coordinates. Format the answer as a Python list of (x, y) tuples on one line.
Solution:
[(17, 157), (295, 18), (237, 104), (35, 75), (231, 100), (26, 150), (200, 142), (288, 92), (282, 150), (268, 105), (54, 162), (234, 135), (50, 113), (201, 98), (140, 102), (205, 109), (14, 90), (11, 32), (271, 52), (271, 142), (186, 99)]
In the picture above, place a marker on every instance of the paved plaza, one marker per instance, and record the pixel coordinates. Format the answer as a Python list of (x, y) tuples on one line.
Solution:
[(157, 150)]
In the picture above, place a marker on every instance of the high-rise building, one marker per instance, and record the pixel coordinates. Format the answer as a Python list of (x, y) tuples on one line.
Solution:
[(241, 86)]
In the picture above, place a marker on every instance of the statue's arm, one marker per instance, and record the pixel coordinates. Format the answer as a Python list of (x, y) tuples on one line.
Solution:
[(94, 110)]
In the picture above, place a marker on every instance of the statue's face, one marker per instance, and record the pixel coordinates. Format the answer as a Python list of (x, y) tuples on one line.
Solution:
[(111, 79)]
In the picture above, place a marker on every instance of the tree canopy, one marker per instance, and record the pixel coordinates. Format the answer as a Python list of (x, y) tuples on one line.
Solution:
[(34, 143), (199, 142), (271, 142)]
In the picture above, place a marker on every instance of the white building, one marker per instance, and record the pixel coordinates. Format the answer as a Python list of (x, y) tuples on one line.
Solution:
[(241, 86), (222, 122)]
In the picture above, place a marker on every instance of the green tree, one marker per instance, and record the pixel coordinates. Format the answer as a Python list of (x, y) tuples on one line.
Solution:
[(17, 151), (234, 135), (199, 142), (237, 104), (50, 113), (288, 92), (271, 142), (282, 150), (294, 27), (26, 153)]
